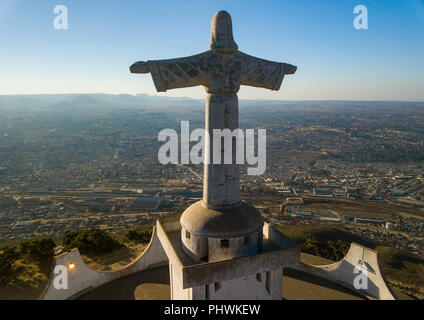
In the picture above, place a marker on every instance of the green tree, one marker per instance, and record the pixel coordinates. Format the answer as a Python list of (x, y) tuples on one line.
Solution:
[(7, 259), (38, 249), (139, 236), (91, 240), (311, 245), (67, 239), (334, 249)]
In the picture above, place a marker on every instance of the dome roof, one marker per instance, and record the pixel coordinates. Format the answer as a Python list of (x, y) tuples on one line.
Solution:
[(221, 223)]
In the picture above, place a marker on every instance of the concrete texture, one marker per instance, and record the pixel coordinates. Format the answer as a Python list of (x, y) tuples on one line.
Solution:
[(229, 222), (152, 291), (203, 229), (222, 33), (218, 73), (343, 272), (83, 279), (298, 285), (246, 245), (150, 284), (235, 278), (221, 181), (145, 279), (153, 284)]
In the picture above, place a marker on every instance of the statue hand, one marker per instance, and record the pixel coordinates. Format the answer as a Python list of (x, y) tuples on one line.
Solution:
[(289, 69), (140, 67)]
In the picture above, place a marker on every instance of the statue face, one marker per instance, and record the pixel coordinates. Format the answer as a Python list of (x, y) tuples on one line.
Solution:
[(222, 33)]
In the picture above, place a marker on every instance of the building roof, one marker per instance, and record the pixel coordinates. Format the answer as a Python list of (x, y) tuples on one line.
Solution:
[(230, 222)]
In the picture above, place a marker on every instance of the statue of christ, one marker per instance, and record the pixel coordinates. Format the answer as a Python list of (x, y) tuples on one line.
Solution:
[(221, 71)]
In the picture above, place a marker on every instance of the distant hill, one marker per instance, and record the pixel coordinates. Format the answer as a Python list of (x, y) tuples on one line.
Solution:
[(49, 101), (85, 100)]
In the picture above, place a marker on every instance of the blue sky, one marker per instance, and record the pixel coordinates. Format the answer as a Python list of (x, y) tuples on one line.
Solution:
[(335, 61)]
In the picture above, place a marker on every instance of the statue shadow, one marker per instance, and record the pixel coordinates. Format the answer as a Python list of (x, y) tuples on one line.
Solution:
[(125, 288)]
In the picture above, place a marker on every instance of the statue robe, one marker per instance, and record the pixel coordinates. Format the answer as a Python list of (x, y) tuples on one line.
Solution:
[(217, 72)]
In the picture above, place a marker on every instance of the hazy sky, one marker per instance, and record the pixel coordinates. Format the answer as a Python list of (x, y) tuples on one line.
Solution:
[(335, 61)]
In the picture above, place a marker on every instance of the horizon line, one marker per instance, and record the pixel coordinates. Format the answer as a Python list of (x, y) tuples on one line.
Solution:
[(191, 98)]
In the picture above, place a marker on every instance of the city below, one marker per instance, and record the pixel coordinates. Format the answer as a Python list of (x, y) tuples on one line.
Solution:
[(72, 162)]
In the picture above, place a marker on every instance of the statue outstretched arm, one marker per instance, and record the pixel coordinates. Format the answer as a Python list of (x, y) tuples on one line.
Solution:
[(262, 73), (139, 67), (289, 69), (175, 73)]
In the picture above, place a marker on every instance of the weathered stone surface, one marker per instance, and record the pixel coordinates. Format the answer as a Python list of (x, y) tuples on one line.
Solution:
[(218, 73), (221, 182), (358, 260), (221, 71), (220, 227), (230, 222), (222, 33)]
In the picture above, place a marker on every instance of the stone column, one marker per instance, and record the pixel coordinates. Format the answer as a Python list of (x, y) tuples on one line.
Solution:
[(221, 182)]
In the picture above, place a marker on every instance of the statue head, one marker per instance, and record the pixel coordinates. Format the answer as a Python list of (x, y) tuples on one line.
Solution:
[(222, 33)]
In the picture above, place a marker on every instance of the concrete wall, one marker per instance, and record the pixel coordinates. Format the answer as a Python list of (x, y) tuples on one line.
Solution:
[(262, 286), (200, 247), (195, 246), (277, 237), (83, 279), (238, 247), (251, 277), (176, 283), (343, 272)]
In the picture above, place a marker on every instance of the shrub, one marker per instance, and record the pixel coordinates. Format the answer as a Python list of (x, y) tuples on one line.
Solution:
[(91, 240), (22, 262), (38, 249), (333, 250), (67, 239), (139, 236), (7, 259), (27, 272)]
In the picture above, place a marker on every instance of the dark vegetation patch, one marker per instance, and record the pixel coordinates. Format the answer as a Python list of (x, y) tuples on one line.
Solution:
[(94, 241)]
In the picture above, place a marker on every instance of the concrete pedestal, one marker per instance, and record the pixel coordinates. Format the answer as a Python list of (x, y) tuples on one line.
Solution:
[(252, 277)]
